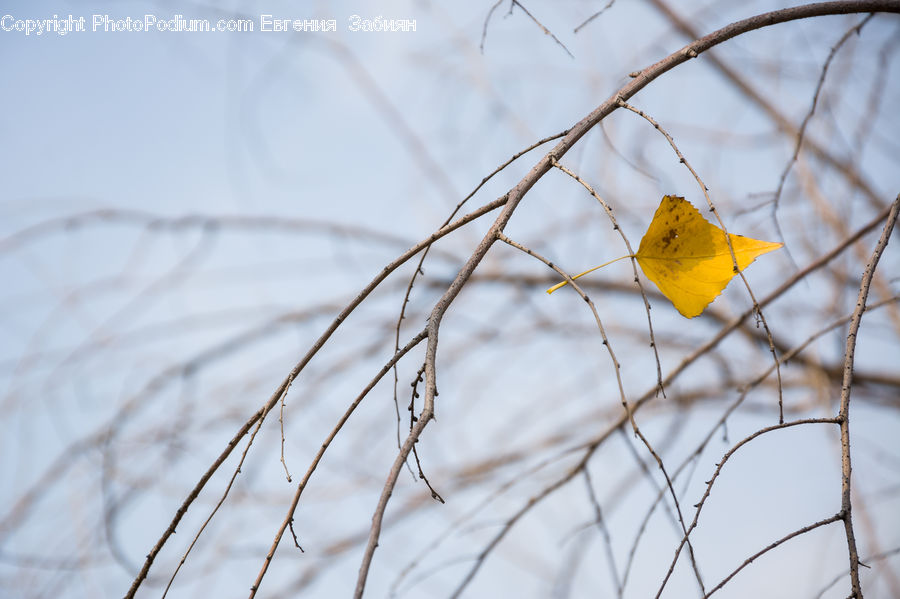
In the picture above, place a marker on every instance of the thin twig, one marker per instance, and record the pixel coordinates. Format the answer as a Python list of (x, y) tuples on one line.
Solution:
[(594, 16), (869, 559), (412, 421), (541, 25), (612, 355), (604, 532), (219, 223), (770, 547), (219, 503), (281, 428), (844, 414), (876, 94), (487, 19)]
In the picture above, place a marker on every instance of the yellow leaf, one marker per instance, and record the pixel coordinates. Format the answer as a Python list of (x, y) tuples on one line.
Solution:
[(688, 258)]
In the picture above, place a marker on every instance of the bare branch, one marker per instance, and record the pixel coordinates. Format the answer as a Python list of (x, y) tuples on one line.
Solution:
[(844, 415)]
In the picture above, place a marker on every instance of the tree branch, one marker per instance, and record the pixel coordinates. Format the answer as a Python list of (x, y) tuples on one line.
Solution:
[(844, 415)]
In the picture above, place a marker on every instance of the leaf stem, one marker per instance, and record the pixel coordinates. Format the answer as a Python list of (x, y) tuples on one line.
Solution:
[(564, 283)]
